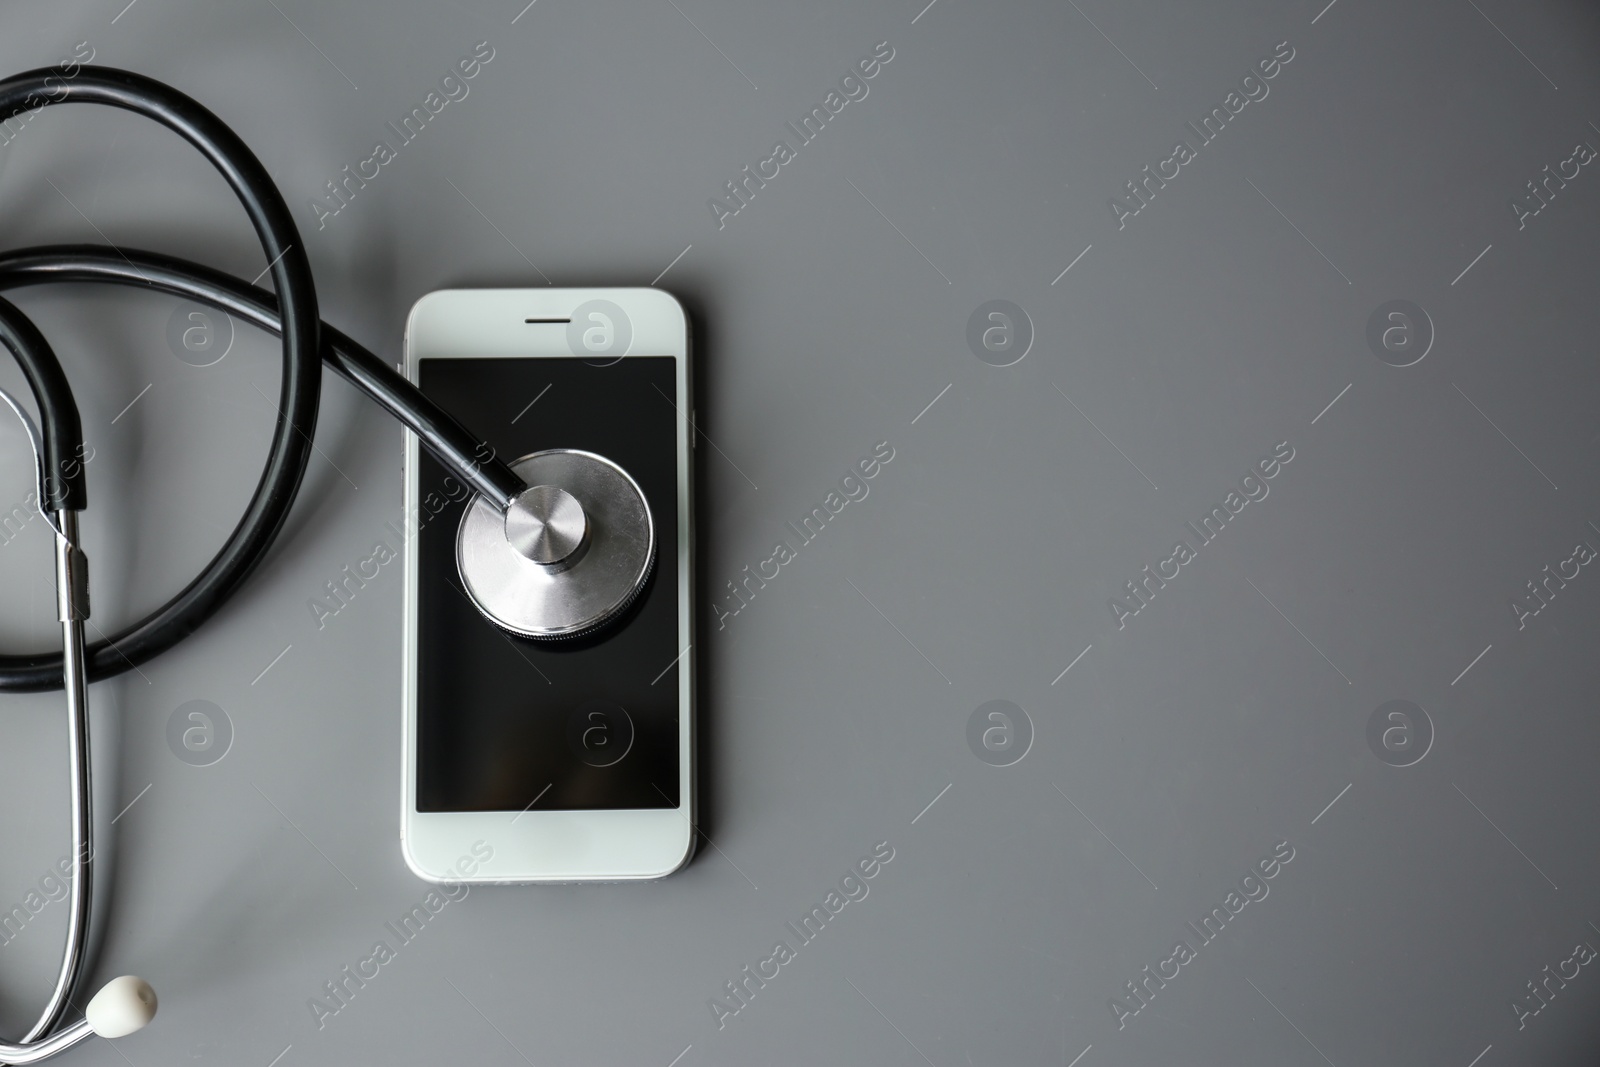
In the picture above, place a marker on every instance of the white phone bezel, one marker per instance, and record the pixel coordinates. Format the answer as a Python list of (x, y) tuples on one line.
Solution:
[(548, 846)]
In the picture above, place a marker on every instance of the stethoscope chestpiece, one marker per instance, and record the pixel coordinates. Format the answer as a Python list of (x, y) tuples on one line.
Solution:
[(569, 555)]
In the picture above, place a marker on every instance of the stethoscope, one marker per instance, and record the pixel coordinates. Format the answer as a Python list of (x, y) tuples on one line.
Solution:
[(552, 545)]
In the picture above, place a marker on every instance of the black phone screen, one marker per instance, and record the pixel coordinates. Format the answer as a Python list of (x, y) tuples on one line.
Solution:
[(506, 723)]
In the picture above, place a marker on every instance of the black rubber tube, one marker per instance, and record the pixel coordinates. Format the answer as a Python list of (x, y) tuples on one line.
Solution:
[(302, 381), (437, 429), (63, 481), (305, 339)]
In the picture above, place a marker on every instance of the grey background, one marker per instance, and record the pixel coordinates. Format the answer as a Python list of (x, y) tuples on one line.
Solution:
[(829, 313)]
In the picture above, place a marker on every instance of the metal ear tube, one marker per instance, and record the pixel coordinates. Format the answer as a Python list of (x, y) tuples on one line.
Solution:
[(125, 1004)]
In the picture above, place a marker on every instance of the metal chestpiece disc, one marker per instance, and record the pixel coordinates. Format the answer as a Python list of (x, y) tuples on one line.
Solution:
[(570, 554)]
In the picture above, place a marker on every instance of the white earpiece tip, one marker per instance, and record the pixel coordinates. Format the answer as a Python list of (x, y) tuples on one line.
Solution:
[(122, 1006)]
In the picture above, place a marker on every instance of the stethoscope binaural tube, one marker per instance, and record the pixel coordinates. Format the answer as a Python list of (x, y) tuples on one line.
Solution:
[(126, 1004), (61, 494)]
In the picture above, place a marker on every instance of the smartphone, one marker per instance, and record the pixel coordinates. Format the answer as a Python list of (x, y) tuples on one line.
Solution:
[(550, 760)]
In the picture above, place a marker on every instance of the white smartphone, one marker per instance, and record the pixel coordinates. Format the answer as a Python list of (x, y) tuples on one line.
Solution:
[(540, 760)]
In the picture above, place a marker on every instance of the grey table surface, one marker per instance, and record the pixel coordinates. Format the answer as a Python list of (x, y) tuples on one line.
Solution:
[(1423, 537)]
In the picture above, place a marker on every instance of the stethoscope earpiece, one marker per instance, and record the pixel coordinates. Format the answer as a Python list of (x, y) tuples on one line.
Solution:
[(122, 1006)]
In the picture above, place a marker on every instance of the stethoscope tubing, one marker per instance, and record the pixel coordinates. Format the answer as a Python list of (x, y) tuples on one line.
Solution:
[(299, 394), (292, 315), (307, 342)]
